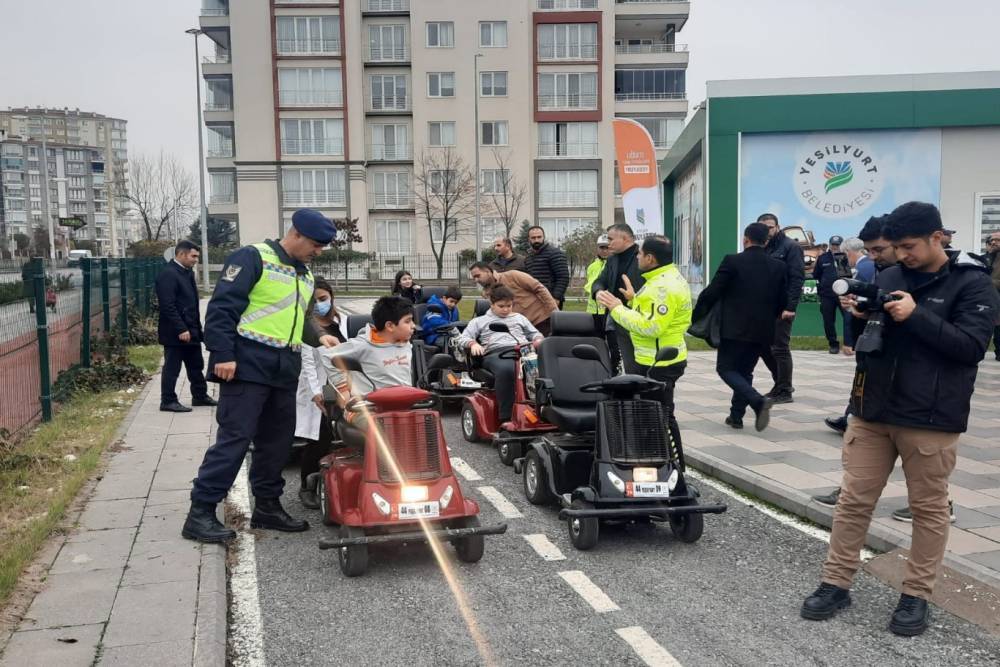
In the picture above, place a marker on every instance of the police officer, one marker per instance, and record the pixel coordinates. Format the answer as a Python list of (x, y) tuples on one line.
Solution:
[(658, 315), (594, 270), (830, 266), (253, 331)]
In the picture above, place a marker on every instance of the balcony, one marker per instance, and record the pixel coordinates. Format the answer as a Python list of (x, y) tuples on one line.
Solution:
[(311, 98), (308, 47), (640, 103), (217, 64), (222, 105), (390, 200), (215, 11), (337, 198), (384, 7), (677, 10), (390, 153), (389, 105), (564, 5), (386, 55), (217, 59), (222, 198), (312, 146), (656, 53), (567, 52), (570, 102), (307, 2), (214, 16), (567, 150), (220, 151), (568, 199)]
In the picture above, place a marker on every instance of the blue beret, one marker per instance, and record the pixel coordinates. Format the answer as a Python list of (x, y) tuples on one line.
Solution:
[(313, 224)]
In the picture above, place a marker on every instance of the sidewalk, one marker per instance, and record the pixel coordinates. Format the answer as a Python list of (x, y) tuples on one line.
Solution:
[(799, 456), (124, 587)]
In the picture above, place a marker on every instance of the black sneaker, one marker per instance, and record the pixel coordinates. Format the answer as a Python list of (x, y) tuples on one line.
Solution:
[(734, 422), (174, 406), (204, 401), (835, 348), (838, 424), (911, 616), (763, 413), (904, 515), (825, 601), (781, 398), (830, 499)]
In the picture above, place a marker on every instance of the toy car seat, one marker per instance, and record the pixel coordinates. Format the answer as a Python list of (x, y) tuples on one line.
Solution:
[(482, 306), (560, 374), (355, 323)]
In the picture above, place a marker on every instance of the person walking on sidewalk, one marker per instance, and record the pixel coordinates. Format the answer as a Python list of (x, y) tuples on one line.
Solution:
[(778, 357), (179, 330), (253, 331), (910, 401), (547, 264), (751, 286)]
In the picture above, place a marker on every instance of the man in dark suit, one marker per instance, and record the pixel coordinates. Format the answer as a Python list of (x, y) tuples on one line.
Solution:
[(179, 329), (752, 288), (621, 274)]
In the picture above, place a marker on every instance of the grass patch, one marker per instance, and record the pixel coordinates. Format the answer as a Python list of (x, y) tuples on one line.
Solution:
[(467, 306), (146, 357), (802, 343), (42, 474)]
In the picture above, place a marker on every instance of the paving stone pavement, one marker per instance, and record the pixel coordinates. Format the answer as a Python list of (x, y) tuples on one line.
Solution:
[(125, 588), (799, 456)]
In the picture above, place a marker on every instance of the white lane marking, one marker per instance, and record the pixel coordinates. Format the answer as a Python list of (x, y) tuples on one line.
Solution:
[(780, 516), (589, 591), (246, 628), (646, 647), (464, 469), (499, 501), (543, 547)]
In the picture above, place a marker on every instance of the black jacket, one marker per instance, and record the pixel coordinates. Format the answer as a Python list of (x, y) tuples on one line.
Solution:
[(177, 295), (828, 268), (752, 288), (624, 263), (926, 373), (549, 266), (790, 252), (255, 362), (515, 263)]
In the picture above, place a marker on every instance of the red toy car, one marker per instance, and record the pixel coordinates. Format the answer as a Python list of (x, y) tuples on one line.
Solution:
[(376, 501)]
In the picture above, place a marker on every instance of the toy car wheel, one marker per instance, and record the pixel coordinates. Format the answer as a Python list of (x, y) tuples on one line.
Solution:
[(687, 527), (508, 450), (323, 498), (583, 532), (469, 549), (353, 559), (535, 481), (469, 430)]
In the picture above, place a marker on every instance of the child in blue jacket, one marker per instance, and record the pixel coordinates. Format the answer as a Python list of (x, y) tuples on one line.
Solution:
[(448, 305)]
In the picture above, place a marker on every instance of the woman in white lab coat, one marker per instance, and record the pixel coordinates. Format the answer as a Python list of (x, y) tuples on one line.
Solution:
[(311, 421)]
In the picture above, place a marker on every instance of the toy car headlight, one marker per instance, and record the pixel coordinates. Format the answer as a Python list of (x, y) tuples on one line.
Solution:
[(382, 504), (616, 481), (644, 474), (413, 494), (446, 496), (672, 480)]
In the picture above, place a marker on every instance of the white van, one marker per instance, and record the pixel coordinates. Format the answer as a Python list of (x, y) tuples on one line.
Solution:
[(76, 255)]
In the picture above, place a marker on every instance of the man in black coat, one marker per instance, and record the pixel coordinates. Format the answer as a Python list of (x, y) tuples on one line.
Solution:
[(752, 287), (179, 329), (621, 274), (547, 264), (830, 266)]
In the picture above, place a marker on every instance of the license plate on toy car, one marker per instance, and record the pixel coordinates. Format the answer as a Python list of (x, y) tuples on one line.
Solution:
[(429, 509), (469, 383), (646, 489)]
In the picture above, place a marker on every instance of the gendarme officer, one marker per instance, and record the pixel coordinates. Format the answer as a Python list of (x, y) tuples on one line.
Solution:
[(253, 331)]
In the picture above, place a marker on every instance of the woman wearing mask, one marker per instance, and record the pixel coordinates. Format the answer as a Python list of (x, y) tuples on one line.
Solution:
[(312, 422), (404, 286)]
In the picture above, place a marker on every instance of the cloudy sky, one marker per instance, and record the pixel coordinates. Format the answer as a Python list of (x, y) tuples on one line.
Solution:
[(131, 58)]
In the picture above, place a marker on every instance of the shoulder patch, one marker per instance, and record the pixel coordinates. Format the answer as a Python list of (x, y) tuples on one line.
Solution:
[(232, 271), (662, 309)]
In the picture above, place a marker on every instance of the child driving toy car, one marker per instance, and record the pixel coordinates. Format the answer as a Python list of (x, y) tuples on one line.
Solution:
[(440, 311), (483, 342), (384, 351)]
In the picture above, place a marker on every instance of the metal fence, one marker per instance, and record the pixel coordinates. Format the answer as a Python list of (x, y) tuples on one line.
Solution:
[(50, 314)]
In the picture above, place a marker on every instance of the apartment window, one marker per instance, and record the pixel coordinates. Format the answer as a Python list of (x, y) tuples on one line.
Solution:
[(312, 136), (78, 193), (222, 185), (77, 182), (390, 141), (567, 41), (567, 4), (314, 187), (493, 84), (34, 179), (490, 228), (567, 189), (392, 189), (493, 133), (572, 90), (440, 34), (441, 84), (495, 181), (310, 86), (442, 181), (220, 141), (308, 34), (14, 204), (664, 131), (441, 133), (75, 168), (76, 156), (393, 236), (35, 193), (388, 92), (558, 230), (493, 34), (649, 84), (438, 228), (219, 94), (387, 43), (567, 139)]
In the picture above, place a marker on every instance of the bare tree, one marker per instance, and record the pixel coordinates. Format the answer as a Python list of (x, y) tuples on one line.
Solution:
[(444, 188), (508, 193), (161, 191)]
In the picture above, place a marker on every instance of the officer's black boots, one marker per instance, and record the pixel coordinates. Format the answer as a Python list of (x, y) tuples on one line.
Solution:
[(826, 601), (911, 616), (202, 524), (268, 513)]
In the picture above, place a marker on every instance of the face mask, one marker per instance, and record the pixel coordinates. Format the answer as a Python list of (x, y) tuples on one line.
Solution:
[(322, 308)]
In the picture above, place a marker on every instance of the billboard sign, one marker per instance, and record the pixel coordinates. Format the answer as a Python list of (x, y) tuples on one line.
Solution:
[(639, 177)]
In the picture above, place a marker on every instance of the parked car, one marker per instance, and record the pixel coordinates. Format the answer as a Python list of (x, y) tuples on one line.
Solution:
[(76, 255)]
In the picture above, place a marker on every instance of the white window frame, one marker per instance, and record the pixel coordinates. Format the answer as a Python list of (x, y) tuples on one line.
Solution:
[(558, 229), (492, 181), (500, 133), (439, 80), (572, 192), (326, 196), (305, 94), (399, 149), (570, 142), (566, 41), (398, 105), (492, 28), (332, 144), (564, 98), (437, 230), (379, 51), (437, 182), (450, 32), (384, 236), (490, 228), (492, 78), (441, 133), (304, 41), (978, 220), (391, 189)]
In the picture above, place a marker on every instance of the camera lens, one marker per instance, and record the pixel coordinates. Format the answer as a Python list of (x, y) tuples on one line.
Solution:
[(841, 287)]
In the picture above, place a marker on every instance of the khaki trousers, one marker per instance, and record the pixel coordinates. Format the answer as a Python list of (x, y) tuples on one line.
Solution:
[(870, 451)]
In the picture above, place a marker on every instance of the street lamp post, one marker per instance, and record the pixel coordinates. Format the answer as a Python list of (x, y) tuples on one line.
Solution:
[(194, 32), (475, 92)]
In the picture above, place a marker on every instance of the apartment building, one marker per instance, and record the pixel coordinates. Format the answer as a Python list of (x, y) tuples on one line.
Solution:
[(86, 154), (350, 106)]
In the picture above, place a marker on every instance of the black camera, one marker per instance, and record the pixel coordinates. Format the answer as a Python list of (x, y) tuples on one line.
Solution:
[(870, 296)]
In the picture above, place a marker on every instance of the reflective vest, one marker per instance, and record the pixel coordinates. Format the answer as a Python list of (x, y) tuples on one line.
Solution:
[(593, 271), (277, 309), (658, 315)]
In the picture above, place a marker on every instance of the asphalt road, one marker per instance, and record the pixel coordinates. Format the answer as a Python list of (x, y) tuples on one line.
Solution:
[(730, 599)]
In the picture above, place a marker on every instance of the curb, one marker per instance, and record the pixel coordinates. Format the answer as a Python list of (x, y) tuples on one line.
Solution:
[(211, 614), (791, 500)]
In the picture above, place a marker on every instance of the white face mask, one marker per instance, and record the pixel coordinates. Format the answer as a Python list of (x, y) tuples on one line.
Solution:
[(322, 308)]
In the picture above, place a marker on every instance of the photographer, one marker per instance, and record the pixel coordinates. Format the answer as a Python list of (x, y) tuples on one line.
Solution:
[(927, 331)]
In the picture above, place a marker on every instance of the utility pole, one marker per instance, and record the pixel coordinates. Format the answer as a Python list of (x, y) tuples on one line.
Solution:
[(194, 32), (479, 185), (45, 189)]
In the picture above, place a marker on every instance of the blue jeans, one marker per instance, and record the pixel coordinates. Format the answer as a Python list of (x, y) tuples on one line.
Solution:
[(734, 364)]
